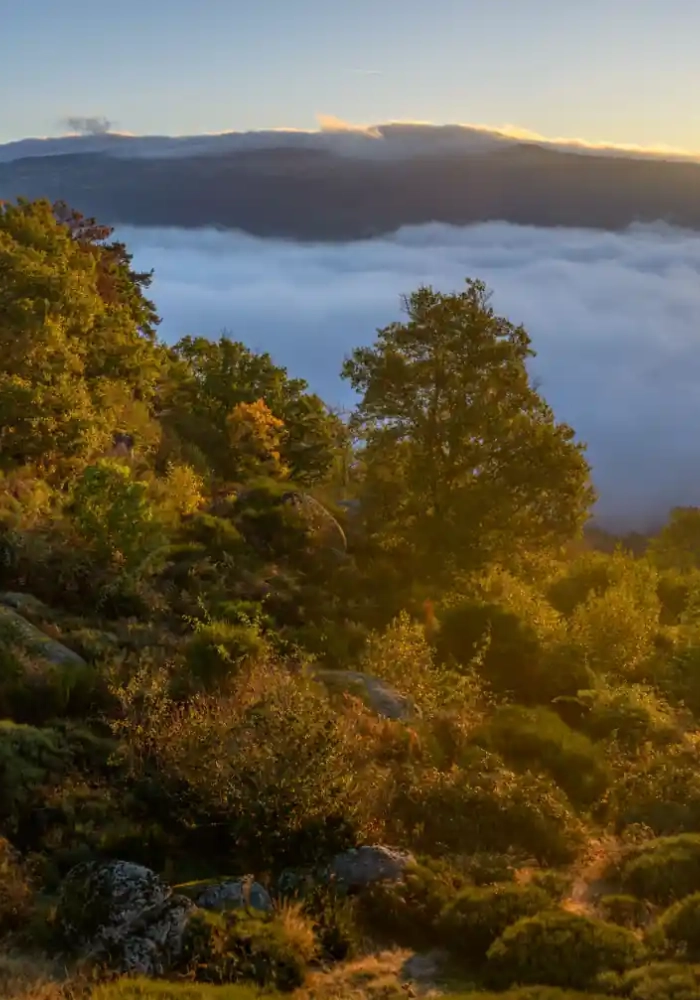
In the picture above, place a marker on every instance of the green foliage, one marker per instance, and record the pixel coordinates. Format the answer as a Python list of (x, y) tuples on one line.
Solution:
[(657, 981), (214, 377), (560, 949), (538, 739), (660, 790), (16, 892), (631, 714), (679, 927), (678, 544), (661, 870), (113, 515), (463, 460), (272, 951), (487, 807), (408, 912), (476, 917), (627, 911)]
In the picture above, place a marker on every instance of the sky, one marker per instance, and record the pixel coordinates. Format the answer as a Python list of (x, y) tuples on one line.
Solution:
[(623, 71)]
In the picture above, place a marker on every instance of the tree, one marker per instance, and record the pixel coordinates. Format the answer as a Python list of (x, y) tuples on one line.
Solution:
[(215, 377), (75, 333), (463, 460), (678, 544)]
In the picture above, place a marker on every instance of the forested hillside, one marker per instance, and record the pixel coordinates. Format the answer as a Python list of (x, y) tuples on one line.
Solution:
[(342, 708)]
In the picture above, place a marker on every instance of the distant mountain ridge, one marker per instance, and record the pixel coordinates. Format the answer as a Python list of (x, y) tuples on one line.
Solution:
[(309, 186)]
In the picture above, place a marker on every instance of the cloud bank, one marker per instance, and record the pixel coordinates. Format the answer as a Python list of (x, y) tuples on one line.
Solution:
[(614, 318), (393, 140)]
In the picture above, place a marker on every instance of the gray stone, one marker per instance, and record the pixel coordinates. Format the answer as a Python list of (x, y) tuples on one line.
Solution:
[(235, 895), (362, 866), (122, 914), (15, 628), (376, 693)]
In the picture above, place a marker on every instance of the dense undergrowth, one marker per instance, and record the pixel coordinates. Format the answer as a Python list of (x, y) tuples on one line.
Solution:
[(190, 541)]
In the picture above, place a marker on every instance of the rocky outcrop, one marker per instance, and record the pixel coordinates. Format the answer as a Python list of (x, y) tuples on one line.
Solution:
[(16, 629), (363, 866), (376, 693), (121, 914), (233, 895), (319, 521)]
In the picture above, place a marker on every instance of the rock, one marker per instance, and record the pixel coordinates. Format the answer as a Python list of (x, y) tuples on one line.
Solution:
[(234, 895), (376, 693), (122, 914), (362, 866), (19, 630), (320, 522)]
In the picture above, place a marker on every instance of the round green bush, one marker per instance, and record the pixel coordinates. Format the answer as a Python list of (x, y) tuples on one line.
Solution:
[(661, 870), (560, 949), (656, 981), (236, 946), (680, 927), (514, 661), (487, 807), (476, 917), (408, 913), (663, 794), (537, 738), (627, 911)]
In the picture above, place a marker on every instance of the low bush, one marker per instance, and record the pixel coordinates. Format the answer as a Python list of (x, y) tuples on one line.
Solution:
[(486, 807), (16, 892), (661, 792), (408, 912), (627, 911), (272, 951), (680, 927), (662, 870), (631, 714), (656, 981), (560, 949), (476, 917), (537, 738)]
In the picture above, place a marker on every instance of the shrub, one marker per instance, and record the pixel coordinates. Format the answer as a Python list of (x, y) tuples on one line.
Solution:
[(656, 981), (16, 893), (557, 884), (271, 768), (490, 867), (632, 714), (268, 950), (661, 792), (680, 927), (218, 649), (560, 949), (614, 633), (661, 870), (30, 759), (334, 915), (486, 807), (408, 912), (476, 917), (508, 653), (538, 738), (627, 911)]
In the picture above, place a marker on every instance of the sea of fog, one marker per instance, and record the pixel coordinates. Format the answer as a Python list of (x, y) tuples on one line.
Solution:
[(614, 318)]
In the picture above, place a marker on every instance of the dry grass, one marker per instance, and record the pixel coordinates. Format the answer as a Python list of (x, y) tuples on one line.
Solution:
[(30, 977), (382, 976)]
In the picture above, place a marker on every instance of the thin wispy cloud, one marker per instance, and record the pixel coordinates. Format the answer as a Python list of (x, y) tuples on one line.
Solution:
[(614, 318)]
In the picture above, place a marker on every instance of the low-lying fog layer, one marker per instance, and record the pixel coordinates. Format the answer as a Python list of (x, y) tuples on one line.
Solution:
[(614, 318)]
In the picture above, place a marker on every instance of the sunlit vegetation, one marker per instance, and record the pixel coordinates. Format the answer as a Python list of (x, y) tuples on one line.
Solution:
[(240, 636)]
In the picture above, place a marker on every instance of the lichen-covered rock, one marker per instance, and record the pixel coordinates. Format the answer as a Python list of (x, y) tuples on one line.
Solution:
[(319, 521), (16, 629), (362, 866), (376, 693), (121, 914), (235, 895)]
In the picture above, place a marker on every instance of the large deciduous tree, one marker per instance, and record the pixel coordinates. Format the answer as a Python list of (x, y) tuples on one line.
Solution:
[(76, 334), (463, 460)]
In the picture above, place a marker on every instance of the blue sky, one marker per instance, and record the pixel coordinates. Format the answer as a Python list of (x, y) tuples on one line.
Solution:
[(617, 70)]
